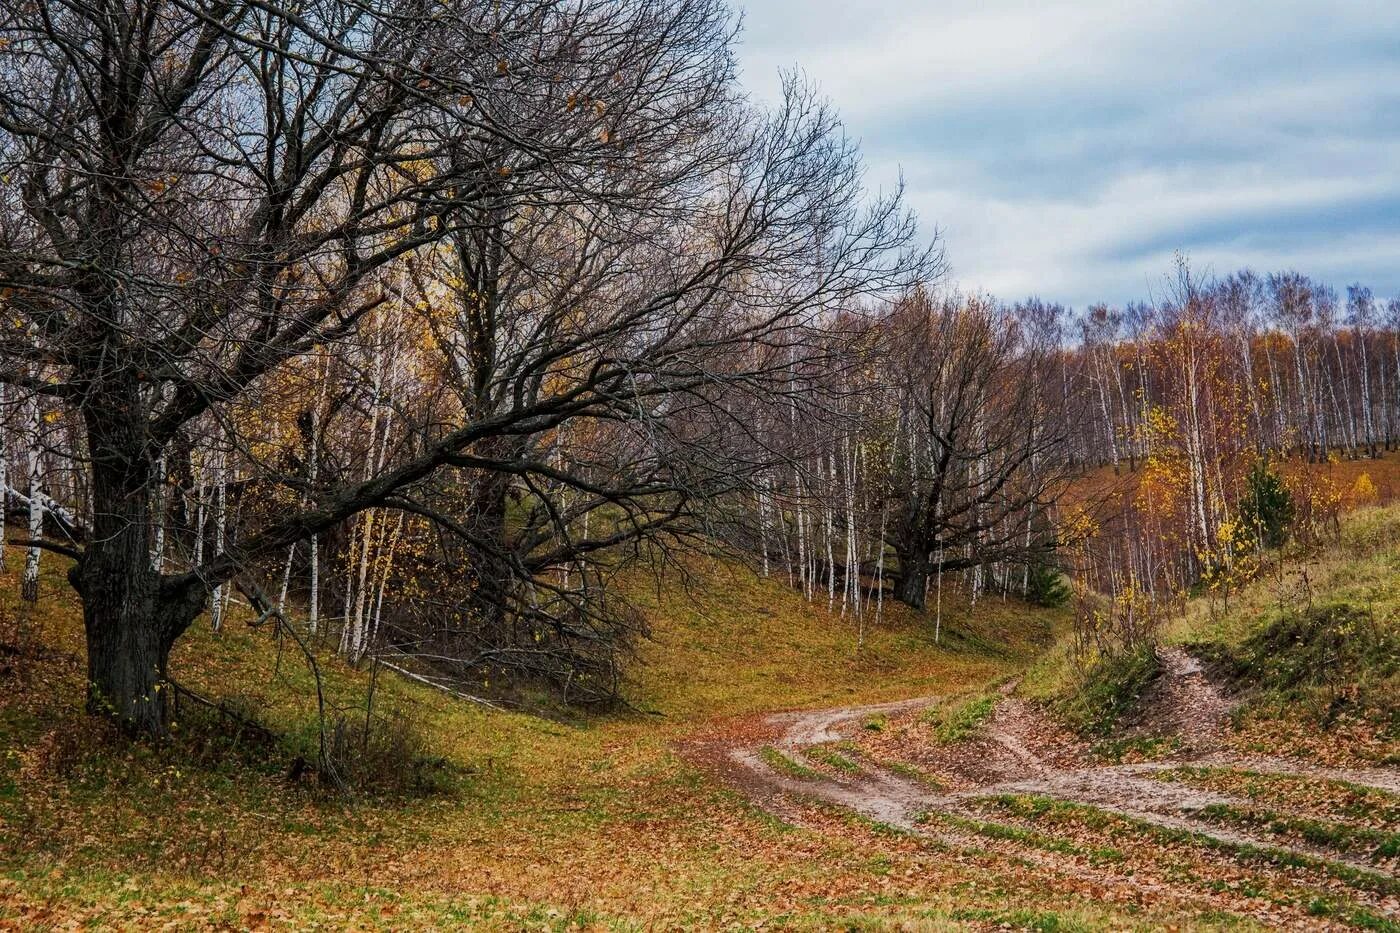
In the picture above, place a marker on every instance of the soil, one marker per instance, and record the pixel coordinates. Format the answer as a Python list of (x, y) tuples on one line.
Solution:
[(907, 779)]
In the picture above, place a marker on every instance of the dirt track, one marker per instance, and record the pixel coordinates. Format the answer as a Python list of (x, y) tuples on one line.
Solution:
[(1020, 751)]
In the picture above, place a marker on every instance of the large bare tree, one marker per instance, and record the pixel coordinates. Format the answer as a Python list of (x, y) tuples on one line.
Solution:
[(977, 459), (204, 194)]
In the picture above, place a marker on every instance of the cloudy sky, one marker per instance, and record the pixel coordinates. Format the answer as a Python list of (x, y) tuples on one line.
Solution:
[(1068, 149)]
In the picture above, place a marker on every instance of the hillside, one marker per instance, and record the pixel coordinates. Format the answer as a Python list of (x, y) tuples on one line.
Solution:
[(538, 820), (696, 808)]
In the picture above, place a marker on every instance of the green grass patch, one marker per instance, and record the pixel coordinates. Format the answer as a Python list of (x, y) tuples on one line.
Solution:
[(953, 723), (1329, 796), (1109, 689), (1026, 837), (1369, 843), (1038, 807), (914, 773), (1039, 921), (1330, 659), (782, 764), (831, 758), (1357, 916), (1136, 748)]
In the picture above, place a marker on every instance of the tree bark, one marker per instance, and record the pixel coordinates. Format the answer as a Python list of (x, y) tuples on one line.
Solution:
[(912, 586), (130, 617)]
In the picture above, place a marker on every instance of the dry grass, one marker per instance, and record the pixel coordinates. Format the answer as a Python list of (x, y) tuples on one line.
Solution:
[(597, 822), (1104, 484), (545, 824)]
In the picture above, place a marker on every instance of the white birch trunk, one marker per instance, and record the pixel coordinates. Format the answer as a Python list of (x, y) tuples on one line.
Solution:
[(313, 608), (4, 477), (286, 579), (30, 586), (220, 523), (158, 547), (1367, 422)]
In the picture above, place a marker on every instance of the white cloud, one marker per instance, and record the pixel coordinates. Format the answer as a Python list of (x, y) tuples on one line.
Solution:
[(1066, 148)]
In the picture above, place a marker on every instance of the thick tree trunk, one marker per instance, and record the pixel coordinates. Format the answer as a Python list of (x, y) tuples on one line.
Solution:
[(912, 586), (489, 567), (127, 646), (130, 617)]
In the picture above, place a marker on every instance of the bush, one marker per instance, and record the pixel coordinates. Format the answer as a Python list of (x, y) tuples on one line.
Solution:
[(381, 755), (1047, 585), (1109, 689), (1267, 506)]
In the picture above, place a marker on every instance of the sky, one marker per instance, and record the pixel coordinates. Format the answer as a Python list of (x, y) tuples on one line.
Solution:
[(1070, 149)]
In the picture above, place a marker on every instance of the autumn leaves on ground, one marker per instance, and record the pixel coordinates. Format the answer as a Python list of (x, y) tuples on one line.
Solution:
[(984, 786)]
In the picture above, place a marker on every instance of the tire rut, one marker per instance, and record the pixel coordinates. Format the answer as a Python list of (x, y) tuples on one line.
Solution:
[(1184, 699)]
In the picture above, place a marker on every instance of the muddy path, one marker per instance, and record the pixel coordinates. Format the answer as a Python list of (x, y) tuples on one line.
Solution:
[(890, 773)]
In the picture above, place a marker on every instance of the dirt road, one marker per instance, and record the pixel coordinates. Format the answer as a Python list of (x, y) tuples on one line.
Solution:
[(877, 761)]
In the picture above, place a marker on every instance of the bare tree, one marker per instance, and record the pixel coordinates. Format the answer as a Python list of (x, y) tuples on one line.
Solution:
[(204, 195), (978, 454)]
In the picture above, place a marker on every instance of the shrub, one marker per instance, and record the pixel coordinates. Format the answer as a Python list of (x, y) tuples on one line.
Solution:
[(1046, 585), (1109, 689), (1045, 580), (384, 755), (1267, 506)]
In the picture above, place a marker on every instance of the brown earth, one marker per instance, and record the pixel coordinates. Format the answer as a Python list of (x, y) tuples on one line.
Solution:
[(900, 776)]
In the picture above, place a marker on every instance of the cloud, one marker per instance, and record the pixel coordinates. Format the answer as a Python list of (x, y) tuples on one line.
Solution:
[(1068, 149)]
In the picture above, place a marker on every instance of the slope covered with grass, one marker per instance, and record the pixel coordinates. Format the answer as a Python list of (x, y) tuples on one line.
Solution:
[(1309, 653), (500, 819), (1313, 650), (515, 818)]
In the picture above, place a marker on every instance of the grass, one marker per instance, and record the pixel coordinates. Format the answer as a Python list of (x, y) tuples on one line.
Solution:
[(1036, 807), (1328, 798), (606, 821), (1312, 646), (956, 721), (1109, 690), (1134, 748), (1287, 879), (534, 822), (1027, 837), (1361, 841), (832, 759), (781, 763), (914, 773)]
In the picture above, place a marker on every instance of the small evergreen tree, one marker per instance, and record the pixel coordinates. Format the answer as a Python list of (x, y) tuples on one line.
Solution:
[(1046, 584), (1267, 507)]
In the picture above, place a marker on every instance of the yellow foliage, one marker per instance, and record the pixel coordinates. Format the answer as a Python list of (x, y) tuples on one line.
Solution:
[(1363, 492)]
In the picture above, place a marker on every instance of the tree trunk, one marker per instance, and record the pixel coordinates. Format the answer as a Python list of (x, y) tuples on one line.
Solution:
[(29, 588), (489, 567), (130, 619), (912, 586), (126, 645)]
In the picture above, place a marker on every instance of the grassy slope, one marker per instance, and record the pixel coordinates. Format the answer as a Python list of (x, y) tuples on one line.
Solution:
[(1361, 572), (600, 821), (1348, 714), (547, 823)]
